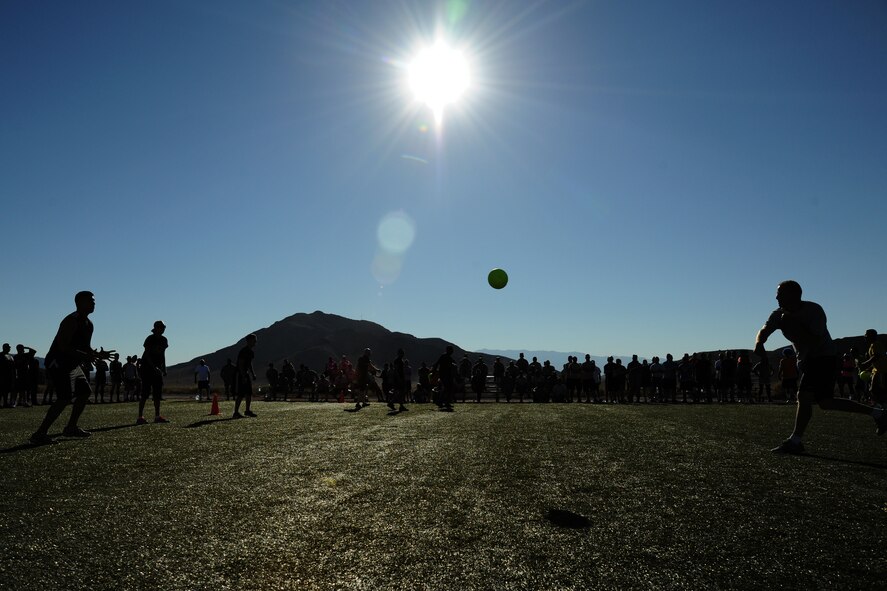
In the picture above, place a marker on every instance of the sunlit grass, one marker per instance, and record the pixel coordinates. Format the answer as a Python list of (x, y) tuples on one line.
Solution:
[(311, 497)]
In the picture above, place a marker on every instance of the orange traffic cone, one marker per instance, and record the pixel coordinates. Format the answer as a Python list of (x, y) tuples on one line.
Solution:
[(215, 411)]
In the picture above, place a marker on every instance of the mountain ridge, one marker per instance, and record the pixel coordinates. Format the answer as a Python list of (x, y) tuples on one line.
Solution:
[(312, 338)]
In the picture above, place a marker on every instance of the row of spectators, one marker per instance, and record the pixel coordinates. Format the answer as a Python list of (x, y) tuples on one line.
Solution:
[(21, 376), (727, 377)]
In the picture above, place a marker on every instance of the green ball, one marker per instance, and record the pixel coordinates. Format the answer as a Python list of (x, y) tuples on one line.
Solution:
[(865, 376), (497, 278)]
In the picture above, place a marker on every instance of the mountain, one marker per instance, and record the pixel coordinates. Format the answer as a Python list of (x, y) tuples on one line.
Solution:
[(310, 339)]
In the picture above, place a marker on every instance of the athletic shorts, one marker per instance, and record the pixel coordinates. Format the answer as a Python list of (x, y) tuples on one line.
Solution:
[(818, 377), (152, 383), (69, 384), (203, 384), (243, 386)]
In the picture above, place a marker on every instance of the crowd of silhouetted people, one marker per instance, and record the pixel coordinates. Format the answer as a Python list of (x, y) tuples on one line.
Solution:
[(728, 377), (22, 378)]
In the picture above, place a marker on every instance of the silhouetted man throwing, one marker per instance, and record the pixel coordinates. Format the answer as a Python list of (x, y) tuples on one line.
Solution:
[(69, 350), (804, 324), (153, 368)]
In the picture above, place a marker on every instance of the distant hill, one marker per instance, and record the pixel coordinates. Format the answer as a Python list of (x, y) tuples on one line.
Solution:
[(311, 339)]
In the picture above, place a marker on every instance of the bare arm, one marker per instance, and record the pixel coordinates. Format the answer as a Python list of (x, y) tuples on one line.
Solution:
[(762, 337)]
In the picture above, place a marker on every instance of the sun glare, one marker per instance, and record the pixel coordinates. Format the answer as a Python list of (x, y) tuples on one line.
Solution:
[(439, 77)]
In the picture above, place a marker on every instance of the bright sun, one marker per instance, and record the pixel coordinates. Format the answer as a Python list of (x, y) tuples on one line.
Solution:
[(438, 77)]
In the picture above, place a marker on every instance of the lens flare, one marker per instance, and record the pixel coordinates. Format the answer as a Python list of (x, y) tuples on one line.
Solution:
[(386, 267), (396, 232)]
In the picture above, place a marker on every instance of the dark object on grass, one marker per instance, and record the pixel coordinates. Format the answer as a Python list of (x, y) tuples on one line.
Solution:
[(562, 518)]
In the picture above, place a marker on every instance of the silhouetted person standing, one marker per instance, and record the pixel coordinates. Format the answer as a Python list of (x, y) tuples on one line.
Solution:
[(445, 366), (763, 371), (479, 378), (130, 379), (804, 324), (7, 376), (876, 362), (244, 378), (22, 375), (71, 347), (101, 378), (400, 381), (116, 373), (153, 369), (33, 376), (366, 379), (201, 378), (273, 377), (228, 374)]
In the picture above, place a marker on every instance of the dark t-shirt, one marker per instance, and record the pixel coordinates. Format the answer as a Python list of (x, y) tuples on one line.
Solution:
[(244, 363), (446, 367), (116, 369), (805, 328), (74, 334), (398, 374), (363, 366), (154, 357)]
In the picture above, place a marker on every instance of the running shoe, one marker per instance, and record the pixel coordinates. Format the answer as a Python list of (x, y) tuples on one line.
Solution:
[(787, 447), (141, 421), (160, 419), (250, 413), (237, 415), (40, 439), (75, 432)]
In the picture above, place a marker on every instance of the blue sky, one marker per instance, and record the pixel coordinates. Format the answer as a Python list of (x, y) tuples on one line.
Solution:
[(646, 172)]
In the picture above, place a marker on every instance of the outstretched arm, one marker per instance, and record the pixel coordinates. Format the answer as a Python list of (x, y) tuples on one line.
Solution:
[(762, 337)]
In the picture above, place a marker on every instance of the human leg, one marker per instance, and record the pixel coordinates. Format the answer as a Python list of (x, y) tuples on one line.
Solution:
[(81, 397), (64, 392), (157, 395), (143, 398)]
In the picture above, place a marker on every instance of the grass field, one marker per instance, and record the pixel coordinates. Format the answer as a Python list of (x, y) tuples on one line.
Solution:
[(492, 496)]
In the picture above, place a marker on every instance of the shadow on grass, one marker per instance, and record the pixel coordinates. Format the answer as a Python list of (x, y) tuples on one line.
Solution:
[(27, 445), (205, 422), (567, 519), (113, 428), (846, 461)]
